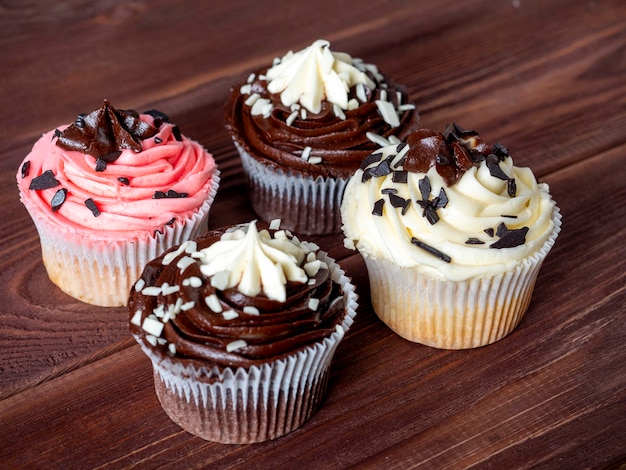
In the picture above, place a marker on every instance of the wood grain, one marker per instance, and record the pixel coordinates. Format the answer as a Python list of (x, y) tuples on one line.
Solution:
[(547, 79)]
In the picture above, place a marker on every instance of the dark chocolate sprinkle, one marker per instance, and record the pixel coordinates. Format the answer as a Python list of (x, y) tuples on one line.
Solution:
[(158, 140), (510, 238), (25, 168), (101, 165), (397, 201), (511, 187), (508, 216), (58, 199), (171, 194), (378, 207), (159, 117), (389, 191), (433, 251), (501, 230), (489, 231), (494, 167), (372, 158), (124, 180), (91, 205), (500, 150), (383, 168), (57, 133), (474, 241), (399, 176), (424, 185), (407, 204), (400, 146), (44, 181), (177, 135)]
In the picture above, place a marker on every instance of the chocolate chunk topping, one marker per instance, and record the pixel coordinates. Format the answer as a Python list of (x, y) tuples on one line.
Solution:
[(44, 181), (493, 163), (433, 251), (25, 168), (124, 180), (489, 231), (105, 131), (378, 207), (509, 238), (101, 165), (511, 187), (400, 176), (170, 194), (57, 133), (474, 241), (176, 133), (500, 150), (58, 199), (91, 205)]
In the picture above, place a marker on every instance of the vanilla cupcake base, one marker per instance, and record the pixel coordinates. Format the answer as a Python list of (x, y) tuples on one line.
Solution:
[(305, 205), (99, 270), (260, 403), (454, 314)]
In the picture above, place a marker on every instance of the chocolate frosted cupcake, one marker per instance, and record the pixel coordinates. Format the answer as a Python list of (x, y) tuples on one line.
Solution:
[(453, 236), (303, 126), (241, 326), (110, 192)]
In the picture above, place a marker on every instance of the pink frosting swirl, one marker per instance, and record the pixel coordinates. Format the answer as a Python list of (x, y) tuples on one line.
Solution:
[(124, 192)]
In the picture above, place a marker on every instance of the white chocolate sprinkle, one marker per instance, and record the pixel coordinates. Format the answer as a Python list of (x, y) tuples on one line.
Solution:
[(139, 285), (388, 112), (406, 107), (312, 267), (314, 303), (213, 303), (250, 100), (245, 89), (383, 95), (237, 344), (184, 263), (338, 111), (193, 281), (352, 104), (360, 92), (230, 315), (220, 280), (261, 106), (377, 139), (303, 113), (275, 224), (152, 326), (306, 151), (151, 290), (171, 348), (167, 290), (291, 118), (250, 310), (311, 282), (136, 320), (187, 305), (151, 339), (251, 78), (315, 160)]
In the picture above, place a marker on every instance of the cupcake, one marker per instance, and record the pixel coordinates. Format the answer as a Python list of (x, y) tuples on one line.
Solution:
[(302, 128), (110, 192), (241, 326), (452, 234)]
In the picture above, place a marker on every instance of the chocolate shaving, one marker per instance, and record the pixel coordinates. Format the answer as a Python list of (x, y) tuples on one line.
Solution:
[(511, 187), (400, 176), (509, 238), (124, 180), (177, 135), (170, 194), (430, 207), (397, 201), (474, 241), (104, 131), (44, 181), (493, 163), (407, 204), (489, 231), (58, 199), (389, 191), (57, 133), (372, 158), (91, 205), (433, 251), (508, 216), (101, 165), (378, 207), (500, 150), (25, 168)]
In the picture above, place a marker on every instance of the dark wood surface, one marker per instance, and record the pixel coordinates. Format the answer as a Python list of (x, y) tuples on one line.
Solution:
[(546, 78)]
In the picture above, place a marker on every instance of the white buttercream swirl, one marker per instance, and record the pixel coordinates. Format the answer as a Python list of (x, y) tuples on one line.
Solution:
[(313, 74), (254, 261), (477, 202)]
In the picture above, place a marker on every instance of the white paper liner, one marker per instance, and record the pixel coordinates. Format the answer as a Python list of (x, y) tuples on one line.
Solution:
[(239, 405), (454, 314), (305, 205), (100, 270)]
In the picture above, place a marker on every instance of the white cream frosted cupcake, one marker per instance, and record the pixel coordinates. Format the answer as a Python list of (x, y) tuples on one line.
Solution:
[(302, 127), (241, 326), (453, 236), (111, 191)]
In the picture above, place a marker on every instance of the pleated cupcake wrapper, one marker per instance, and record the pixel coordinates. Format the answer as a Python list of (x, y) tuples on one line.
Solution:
[(244, 405), (305, 205), (454, 314), (100, 270)]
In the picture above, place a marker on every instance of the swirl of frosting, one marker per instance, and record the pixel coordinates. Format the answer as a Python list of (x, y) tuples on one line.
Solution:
[(319, 111), (184, 311), (460, 215), (138, 187)]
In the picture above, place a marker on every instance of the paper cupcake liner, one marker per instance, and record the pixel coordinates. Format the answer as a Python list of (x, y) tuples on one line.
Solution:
[(454, 314), (100, 270), (305, 205), (245, 405)]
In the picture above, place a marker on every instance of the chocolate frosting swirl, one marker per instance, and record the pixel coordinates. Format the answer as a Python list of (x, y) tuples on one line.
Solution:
[(341, 143), (202, 336)]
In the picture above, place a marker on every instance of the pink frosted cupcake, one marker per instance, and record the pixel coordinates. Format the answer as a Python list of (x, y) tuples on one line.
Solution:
[(303, 126), (453, 236), (111, 191), (241, 326)]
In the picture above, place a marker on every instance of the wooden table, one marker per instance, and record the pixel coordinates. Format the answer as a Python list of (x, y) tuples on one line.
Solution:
[(547, 79)]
